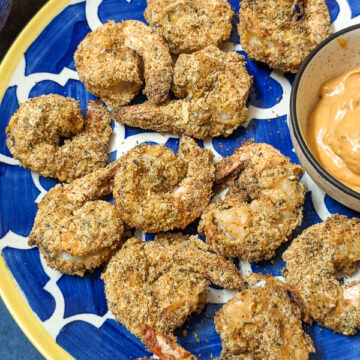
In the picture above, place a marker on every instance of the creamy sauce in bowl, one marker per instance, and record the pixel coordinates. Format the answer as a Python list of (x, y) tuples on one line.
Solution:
[(333, 129)]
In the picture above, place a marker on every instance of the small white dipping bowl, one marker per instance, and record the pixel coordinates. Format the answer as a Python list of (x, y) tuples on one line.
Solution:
[(334, 56)]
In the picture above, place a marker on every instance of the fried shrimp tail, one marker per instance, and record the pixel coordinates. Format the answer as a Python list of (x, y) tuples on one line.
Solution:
[(74, 230), (190, 25), (35, 130), (282, 33), (113, 59), (160, 283), (213, 86), (314, 260), (262, 207), (165, 347), (156, 191), (262, 323)]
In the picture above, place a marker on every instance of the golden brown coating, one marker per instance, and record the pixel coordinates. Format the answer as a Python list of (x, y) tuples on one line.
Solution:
[(282, 33), (314, 260), (165, 346), (214, 87), (109, 69), (262, 323), (155, 190), (160, 283), (190, 25), (262, 207), (35, 130), (111, 59), (73, 229)]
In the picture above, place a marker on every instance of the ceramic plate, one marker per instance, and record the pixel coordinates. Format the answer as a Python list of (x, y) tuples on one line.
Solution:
[(64, 314)]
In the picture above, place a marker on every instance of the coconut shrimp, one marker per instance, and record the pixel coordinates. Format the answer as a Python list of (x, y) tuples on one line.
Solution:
[(164, 346), (190, 25), (282, 33), (262, 207), (214, 87), (314, 260), (155, 190), (262, 323), (35, 130), (73, 229), (160, 283), (110, 61)]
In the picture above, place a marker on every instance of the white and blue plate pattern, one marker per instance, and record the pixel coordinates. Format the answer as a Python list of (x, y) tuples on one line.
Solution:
[(73, 309)]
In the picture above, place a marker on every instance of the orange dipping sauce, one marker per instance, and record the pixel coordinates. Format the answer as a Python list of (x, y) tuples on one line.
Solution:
[(333, 129)]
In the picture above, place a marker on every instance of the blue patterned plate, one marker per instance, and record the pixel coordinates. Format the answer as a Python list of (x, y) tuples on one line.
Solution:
[(71, 310)]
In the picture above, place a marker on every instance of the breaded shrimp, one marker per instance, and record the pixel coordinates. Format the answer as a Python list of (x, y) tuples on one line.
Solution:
[(155, 190), (164, 346), (160, 283), (109, 69), (314, 260), (214, 87), (73, 229), (109, 63), (262, 207), (282, 33), (35, 130), (261, 323), (190, 25)]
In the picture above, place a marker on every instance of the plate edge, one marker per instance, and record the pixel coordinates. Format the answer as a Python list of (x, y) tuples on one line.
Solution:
[(9, 291)]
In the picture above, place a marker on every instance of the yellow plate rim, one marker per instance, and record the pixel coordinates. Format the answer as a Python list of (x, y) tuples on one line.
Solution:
[(9, 290)]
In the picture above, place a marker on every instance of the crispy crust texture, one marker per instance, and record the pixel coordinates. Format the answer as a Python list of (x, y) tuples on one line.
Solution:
[(213, 86), (113, 59), (35, 130), (156, 191), (74, 230), (262, 323), (190, 25), (282, 33), (160, 283), (262, 207), (313, 261)]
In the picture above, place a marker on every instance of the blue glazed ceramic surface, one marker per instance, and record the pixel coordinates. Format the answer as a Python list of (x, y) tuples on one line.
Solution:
[(72, 309)]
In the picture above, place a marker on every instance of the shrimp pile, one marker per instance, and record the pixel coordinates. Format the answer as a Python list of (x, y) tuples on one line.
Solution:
[(73, 229), (262, 207), (35, 130), (160, 283), (190, 25), (213, 86), (282, 33), (314, 260), (110, 60), (155, 190), (152, 287), (261, 323), (164, 346)]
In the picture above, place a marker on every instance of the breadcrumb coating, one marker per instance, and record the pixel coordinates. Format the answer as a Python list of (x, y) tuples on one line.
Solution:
[(109, 69), (160, 283), (155, 190), (35, 130), (113, 59), (261, 323), (213, 86), (190, 25), (282, 33), (262, 207), (314, 262), (74, 230)]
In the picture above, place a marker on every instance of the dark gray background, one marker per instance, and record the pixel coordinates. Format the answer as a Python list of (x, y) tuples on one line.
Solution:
[(13, 343)]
